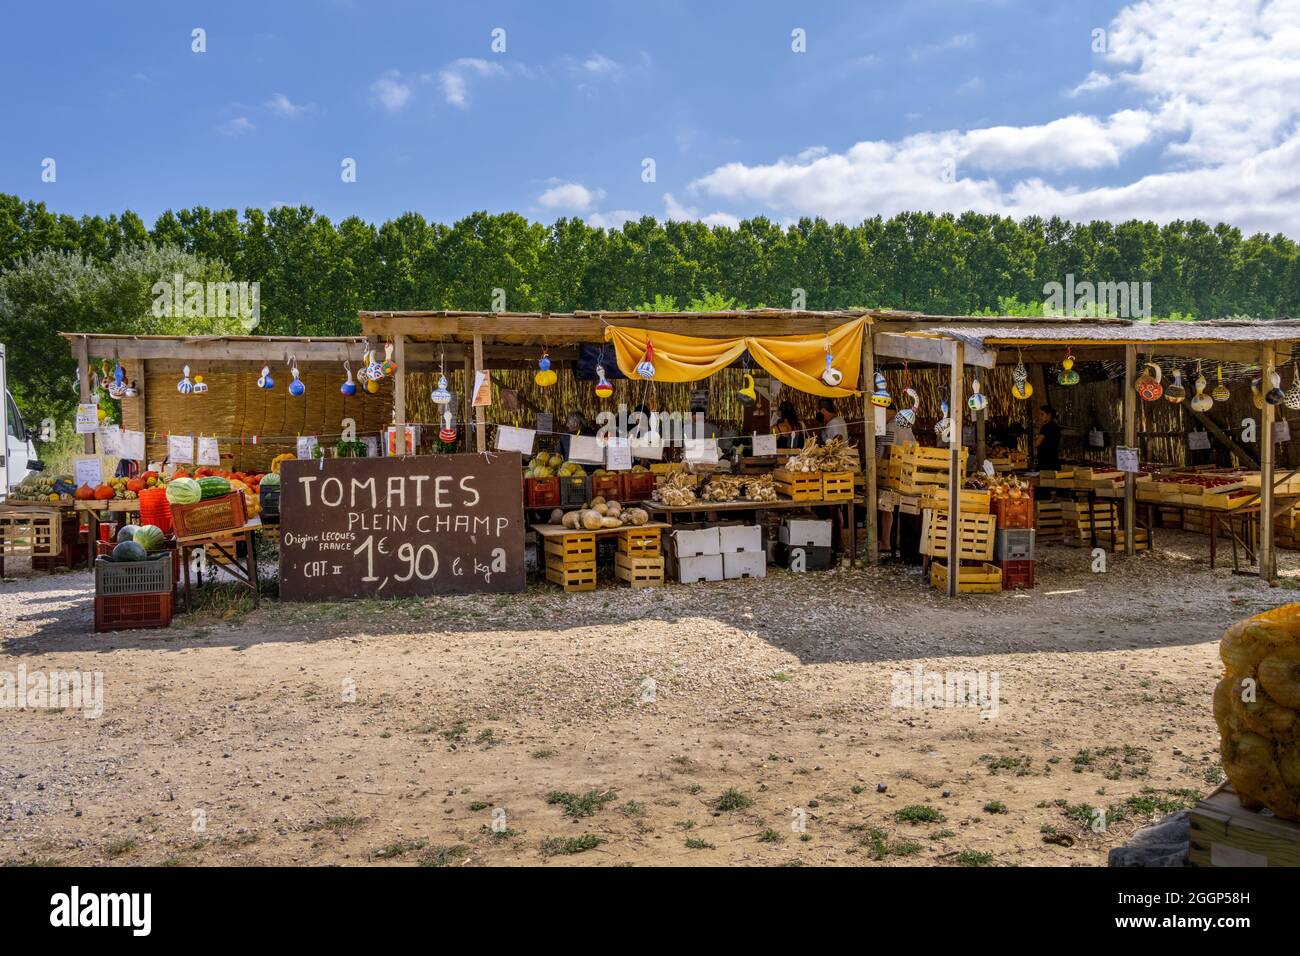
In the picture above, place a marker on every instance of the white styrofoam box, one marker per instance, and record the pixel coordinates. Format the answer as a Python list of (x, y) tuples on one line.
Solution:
[(700, 567), (740, 538), (744, 564), (696, 542), (807, 532)]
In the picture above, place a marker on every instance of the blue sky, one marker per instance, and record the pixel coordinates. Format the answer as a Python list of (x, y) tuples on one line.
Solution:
[(1185, 109)]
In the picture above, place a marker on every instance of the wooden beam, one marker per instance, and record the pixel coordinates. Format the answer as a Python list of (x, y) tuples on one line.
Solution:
[(1130, 440), (480, 413), (956, 374), (399, 392), (1267, 559), (218, 350), (561, 329), (1246, 354), (936, 351), (867, 384)]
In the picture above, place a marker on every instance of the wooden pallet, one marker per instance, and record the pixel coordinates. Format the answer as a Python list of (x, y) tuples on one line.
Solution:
[(639, 570), (31, 532), (578, 548), (1049, 520), (975, 535), (572, 577), (978, 578), (1224, 833), (798, 485), (837, 485), (643, 541)]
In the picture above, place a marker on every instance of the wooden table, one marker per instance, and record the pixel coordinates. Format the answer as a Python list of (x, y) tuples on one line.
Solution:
[(548, 530), (245, 574), (92, 509), (711, 510)]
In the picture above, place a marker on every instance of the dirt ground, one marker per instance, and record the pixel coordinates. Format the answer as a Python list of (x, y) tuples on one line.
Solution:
[(767, 732)]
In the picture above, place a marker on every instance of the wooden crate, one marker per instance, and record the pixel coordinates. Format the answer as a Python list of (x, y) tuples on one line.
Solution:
[(1114, 540), (31, 532), (1049, 520), (572, 577), (798, 485), (639, 570), (837, 485), (639, 541), (975, 535), (1224, 833), (570, 550), (979, 578), (973, 502)]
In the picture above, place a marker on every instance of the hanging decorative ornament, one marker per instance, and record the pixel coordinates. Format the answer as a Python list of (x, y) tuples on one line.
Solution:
[(1175, 392), (200, 386), (1256, 396), (1020, 387), (747, 394), (880, 397), (117, 387), (943, 427), (448, 431), (101, 412), (1293, 393), (441, 395), (264, 380), (130, 391), (1200, 401), (977, 401), (545, 376), (1148, 386), (372, 384), (646, 368), (389, 366), (1220, 393), (1067, 375), (906, 417), (349, 387), (296, 387), (185, 386), (651, 435), (1275, 395), (831, 375), (375, 369), (603, 388)]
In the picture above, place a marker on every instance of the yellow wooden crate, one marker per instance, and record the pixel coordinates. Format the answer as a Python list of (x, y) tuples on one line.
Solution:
[(837, 485), (639, 541), (981, 578), (31, 532), (571, 549), (639, 571), (975, 535), (798, 485), (973, 501), (576, 577)]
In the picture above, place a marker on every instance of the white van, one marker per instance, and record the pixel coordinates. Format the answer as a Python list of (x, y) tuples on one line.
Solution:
[(18, 455)]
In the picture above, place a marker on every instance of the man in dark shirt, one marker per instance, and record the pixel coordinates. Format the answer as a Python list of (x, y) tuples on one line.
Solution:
[(1047, 446)]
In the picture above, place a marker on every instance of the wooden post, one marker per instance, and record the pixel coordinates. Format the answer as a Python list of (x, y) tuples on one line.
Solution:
[(1130, 440), (480, 413), (1267, 559), (955, 404), (83, 376), (869, 449), (399, 392)]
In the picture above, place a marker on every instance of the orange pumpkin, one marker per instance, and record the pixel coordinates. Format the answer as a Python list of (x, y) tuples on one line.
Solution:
[(104, 492), (135, 484), (85, 493)]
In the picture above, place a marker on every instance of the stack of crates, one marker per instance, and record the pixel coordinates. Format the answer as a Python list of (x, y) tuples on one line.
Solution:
[(134, 594), (1049, 520), (1013, 551), (571, 560), (976, 534), (639, 559)]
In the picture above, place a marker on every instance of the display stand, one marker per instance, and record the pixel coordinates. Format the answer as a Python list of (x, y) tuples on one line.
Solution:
[(245, 573)]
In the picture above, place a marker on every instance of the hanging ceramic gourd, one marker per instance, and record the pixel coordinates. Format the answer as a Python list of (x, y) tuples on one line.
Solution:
[(441, 395), (651, 434), (646, 368), (545, 376), (1293, 393), (448, 431), (978, 401), (1200, 401), (1275, 395), (880, 397), (906, 417), (1220, 393), (200, 386), (1256, 396), (1020, 387), (130, 391), (1067, 375), (264, 380), (296, 387), (830, 374), (1148, 385), (747, 395), (117, 387), (1175, 392), (389, 367), (349, 387), (943, 427), (374, 370), (603, 388), (185, 386)]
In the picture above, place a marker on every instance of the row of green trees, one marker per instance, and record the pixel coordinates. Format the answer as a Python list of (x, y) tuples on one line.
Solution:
[(315, 274)]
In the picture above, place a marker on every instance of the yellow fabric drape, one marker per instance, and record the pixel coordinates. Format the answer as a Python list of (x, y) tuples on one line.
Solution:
[(794, 360)]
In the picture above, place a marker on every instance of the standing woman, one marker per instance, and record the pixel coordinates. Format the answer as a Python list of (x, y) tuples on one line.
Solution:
[(788, 428)]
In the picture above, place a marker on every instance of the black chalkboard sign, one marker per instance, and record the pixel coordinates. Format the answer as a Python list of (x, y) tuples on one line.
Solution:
[(401, 527)]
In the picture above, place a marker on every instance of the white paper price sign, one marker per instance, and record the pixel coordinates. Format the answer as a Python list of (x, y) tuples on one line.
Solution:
[(180, 449), (1281, 431), (110, 441), (618, 454), (307, 446), (515, 439), (1198, 441), (87, 419), (764, 444), (545, 422), (586, 450), (1096, 438), (649, 447), (702, 450), (1126, 459), (88, 470), (209, 452)]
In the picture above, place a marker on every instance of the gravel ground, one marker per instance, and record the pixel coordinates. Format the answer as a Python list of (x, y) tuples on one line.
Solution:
[(749, 722)]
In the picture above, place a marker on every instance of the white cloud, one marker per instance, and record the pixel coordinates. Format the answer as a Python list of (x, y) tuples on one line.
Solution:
[(391, 92), (237, 126), (570, 196), (281, 105), (601, 65), (454, 78), (614, 219), (1211, 88), (673, 210)]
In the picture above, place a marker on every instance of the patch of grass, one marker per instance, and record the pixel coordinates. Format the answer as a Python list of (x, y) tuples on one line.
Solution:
[(580, 805), (544, 754), (733, 799), (781, 677), (795, 862), (695, 843), (919, 813), (877, 843), (1213, 775), (567, 846), (995, 806), (337, 823), (399, 848), (943, 835), (478, 805), (632, 809), (35, 861), (1115, 763), (444, 855), (1149, 802), (1019, 765), (456, 731), (974, 858), (120, 847), (770, 836), (488, 738)]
